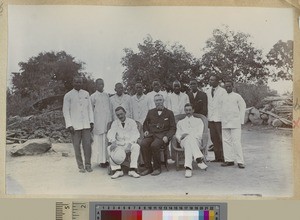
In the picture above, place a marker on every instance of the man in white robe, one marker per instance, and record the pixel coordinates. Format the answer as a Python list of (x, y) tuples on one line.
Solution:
[(189, 135), (124, 134), (120, 99), (232, 115), (156, 90), (139, 104), (102, 116), (177, 99)]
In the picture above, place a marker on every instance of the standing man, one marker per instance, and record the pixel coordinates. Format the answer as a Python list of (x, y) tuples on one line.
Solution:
[(159, 128), (124, 134), (177, 99), (139, 104), (156, 90), (197, 98), (215, 97), (102, 116), (120, 99), (233, 115), (189, 135), (79, 118)]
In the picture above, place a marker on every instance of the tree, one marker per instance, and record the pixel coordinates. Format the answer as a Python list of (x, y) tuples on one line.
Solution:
[(155, 59), (280, 60), (47, 74), (231, 55)]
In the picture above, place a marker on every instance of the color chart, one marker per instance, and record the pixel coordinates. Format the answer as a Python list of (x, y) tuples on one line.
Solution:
[(151, 211)]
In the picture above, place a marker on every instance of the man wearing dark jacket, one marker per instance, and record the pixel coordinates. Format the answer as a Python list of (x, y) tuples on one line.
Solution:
[(159, 128), (197, 98)]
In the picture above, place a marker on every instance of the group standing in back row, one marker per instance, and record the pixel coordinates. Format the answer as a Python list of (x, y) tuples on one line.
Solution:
[(86, 115)]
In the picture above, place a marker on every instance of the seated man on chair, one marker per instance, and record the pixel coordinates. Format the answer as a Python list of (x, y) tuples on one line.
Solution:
[(189, 134), (159, 128), (124, 134)]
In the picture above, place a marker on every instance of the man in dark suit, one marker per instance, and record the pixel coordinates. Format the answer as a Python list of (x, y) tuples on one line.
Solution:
[(159, 128), (197, 98)]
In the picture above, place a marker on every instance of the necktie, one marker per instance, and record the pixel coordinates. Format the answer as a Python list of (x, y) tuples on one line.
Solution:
[(123, 124), (213, 92)]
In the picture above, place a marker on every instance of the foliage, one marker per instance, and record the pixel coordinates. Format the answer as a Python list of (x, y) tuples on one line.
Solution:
[(231, 55), (280, 60), (254, 94), (156, 60)]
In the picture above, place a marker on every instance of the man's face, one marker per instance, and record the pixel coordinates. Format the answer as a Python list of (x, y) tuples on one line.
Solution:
[(188, 110), (194, 86), (176, 88), (99, 85), (121, 115), (77, 83), (159, 102), (119, 89), (156, 86), (228, 87), (213, 81), (139, 89)]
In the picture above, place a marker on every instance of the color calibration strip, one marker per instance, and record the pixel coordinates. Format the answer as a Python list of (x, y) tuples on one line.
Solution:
[(161, 212)]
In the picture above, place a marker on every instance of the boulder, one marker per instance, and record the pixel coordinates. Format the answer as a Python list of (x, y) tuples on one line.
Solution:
[(32, 147), (277, 123), (254, 117)]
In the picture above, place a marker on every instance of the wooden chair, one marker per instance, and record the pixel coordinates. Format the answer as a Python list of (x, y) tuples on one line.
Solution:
[(179, 152), (126, 164)]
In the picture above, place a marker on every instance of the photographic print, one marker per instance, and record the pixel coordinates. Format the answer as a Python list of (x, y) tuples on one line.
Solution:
[(149, 101)]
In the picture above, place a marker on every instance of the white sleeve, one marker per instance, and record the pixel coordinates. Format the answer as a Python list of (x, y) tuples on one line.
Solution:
[(178, 133), (242, 108), (111, 134), (67, 110), (90, 110)]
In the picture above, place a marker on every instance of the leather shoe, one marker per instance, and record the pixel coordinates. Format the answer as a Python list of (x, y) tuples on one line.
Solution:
[(117, 174), (241, 166), (156, 172), (133, 174), (226, 164), (82, 170), (146, 172), (188, 173), (89, 169)]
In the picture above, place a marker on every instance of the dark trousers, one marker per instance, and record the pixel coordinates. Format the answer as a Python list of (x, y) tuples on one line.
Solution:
[(215, 129), (82, 136), (151, 149)]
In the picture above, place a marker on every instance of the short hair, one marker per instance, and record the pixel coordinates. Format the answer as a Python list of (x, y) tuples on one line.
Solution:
[(118, 84), (188, 105), (228, 81), (99, 79), (120, 108), (193, 80), (216, 76), (177, 82), (159, 95)]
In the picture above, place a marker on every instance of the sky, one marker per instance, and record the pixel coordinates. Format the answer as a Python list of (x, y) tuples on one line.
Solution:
[(97, 35)]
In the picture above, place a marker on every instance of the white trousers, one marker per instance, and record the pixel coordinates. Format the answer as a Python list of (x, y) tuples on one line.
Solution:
[(135, 152), (191, 147), (100, 149), (232, 146)]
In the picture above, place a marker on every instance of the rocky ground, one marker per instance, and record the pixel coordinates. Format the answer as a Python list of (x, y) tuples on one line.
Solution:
[(269, 173)]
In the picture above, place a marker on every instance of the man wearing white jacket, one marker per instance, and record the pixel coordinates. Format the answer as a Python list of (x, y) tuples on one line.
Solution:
[(233, 114), (79, 118)]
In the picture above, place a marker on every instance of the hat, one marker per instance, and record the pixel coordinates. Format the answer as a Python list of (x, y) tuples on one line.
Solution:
[(118, 155)]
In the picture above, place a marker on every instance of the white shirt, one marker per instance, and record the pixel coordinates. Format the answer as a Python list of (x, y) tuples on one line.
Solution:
[(214, 104), (176, 102), (150, 96), (102, 111), (190, 125), (123, 135), (77, 109), (139, 108), (233, 110), (124, 101)]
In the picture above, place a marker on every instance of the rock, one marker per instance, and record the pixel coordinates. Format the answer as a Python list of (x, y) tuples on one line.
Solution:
[(277, 123), (32, 147), (254, 117)]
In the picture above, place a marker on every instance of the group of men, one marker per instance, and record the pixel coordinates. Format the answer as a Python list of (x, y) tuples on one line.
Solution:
[(90, 115)]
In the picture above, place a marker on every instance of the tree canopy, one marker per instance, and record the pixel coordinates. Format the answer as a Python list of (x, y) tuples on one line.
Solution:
[(280, 60), (157, 60), (232, 55)]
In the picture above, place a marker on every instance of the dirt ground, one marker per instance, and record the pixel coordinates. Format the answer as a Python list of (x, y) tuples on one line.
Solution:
[(269, 173)]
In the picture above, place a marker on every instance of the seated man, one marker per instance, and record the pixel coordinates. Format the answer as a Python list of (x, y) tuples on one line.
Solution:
[(124, 134), (189, 134), (159, 128)]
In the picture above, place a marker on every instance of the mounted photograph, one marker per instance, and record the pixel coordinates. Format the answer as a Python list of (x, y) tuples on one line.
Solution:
[(149, 101)]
